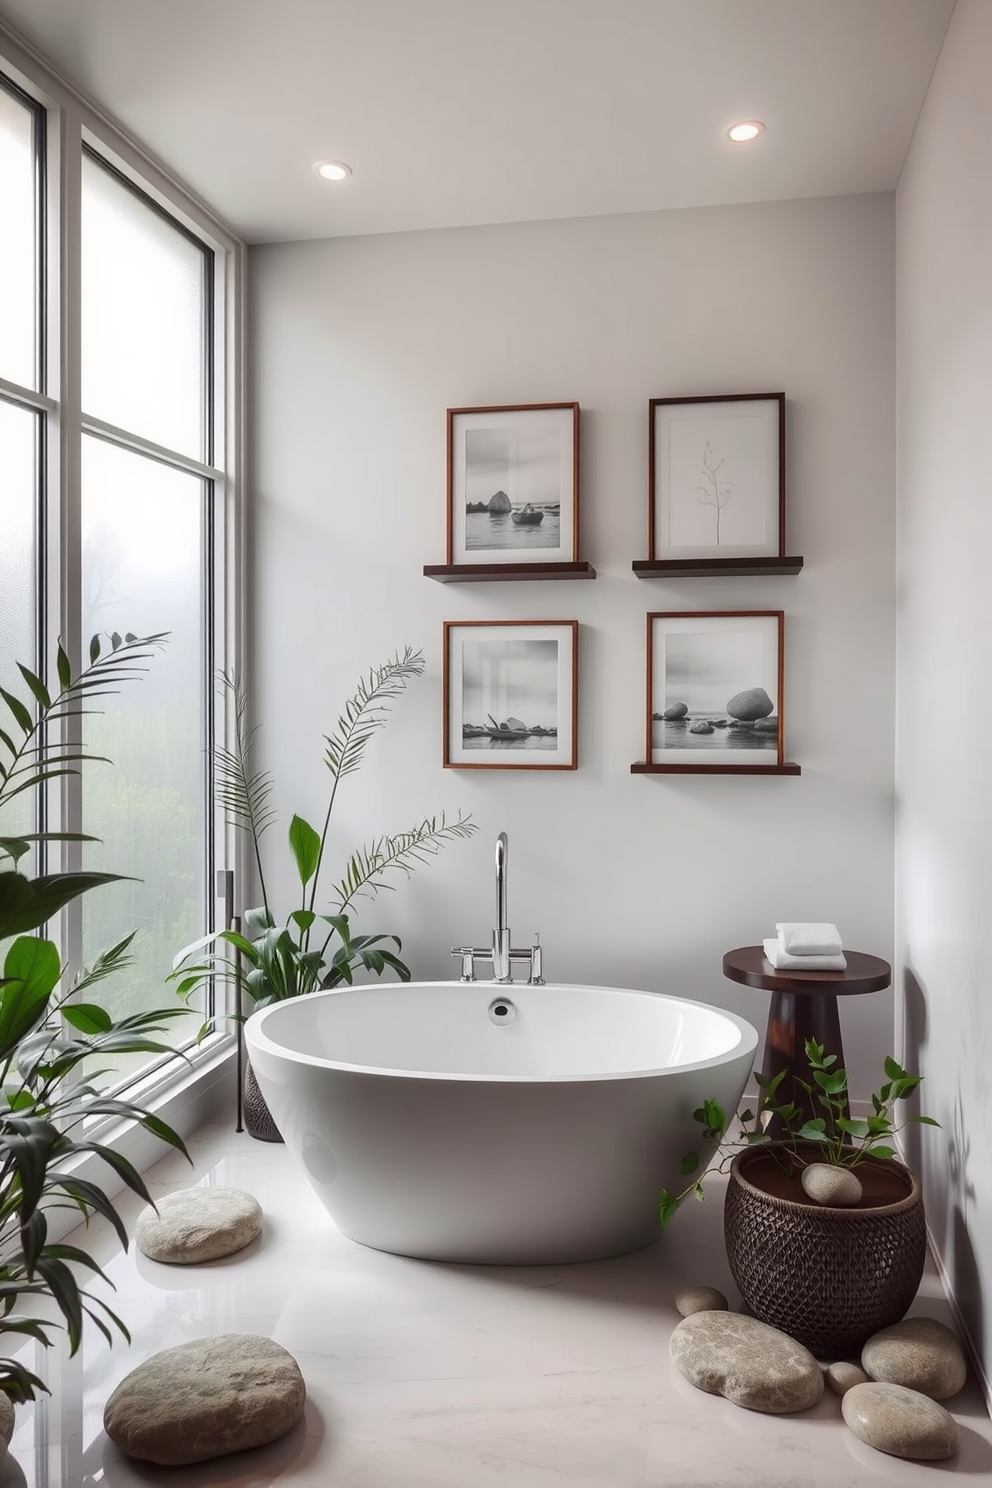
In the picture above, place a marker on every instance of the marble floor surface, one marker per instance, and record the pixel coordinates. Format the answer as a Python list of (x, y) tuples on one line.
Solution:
[(429, 1375)]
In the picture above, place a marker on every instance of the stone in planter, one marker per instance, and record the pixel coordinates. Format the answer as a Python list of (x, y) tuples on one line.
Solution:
[(205, 1399), (919, 1353), (828, 1184), (754, 1366), (901, 1422), (195, 1225)]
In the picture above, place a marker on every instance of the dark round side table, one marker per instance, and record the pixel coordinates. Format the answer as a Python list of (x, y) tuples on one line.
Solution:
[(803, 1006)]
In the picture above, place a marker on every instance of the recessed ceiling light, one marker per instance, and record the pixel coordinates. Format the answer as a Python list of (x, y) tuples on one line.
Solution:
[(747, 129), (332, 170)]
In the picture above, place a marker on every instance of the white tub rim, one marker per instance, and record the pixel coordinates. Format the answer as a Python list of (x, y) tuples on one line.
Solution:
[(256, 1038)]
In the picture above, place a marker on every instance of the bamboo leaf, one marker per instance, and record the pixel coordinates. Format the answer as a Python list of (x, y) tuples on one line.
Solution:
[(38, 688), (63, 667), (18, 710)]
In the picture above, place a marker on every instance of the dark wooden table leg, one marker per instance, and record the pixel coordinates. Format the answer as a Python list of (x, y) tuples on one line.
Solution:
[(794, 1017)]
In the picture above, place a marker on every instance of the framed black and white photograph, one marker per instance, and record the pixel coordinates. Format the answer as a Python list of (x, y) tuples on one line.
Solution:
[(716, 477), (513, 484), (715, 688), (511, 694)]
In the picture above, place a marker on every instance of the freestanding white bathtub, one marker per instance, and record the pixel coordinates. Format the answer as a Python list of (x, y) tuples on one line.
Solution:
[(473, 1122)]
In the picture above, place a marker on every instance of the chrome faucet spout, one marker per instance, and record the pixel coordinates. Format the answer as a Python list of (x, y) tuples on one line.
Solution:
[(501, 934)]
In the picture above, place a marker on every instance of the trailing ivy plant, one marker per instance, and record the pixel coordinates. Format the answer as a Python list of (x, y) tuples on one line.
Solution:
[(839, 1139), (49, 1027), (305, 950)]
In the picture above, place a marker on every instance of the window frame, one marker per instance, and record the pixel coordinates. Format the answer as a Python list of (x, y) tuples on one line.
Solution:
[(69, 127)]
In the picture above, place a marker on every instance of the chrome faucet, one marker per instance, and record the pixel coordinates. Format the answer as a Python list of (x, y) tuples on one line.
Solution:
[(502, 954)]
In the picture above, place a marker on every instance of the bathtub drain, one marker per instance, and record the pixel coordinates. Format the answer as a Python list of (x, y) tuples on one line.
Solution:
[(501, 1011)]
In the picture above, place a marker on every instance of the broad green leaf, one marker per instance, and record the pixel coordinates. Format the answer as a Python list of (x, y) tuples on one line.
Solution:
[(63, 667), (304, 918), (88, 1017), (881, 1152), (305, 844), (893, 1070), (812, 1131), (831, 1082), (924, 1120), (853, 1127), (31, 972), (47, 895)]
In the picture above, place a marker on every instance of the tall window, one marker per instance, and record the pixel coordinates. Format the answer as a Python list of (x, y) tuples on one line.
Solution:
[(117, 509)]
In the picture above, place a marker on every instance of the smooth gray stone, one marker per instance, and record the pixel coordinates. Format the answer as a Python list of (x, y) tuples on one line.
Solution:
[(205, 1399), (919, 1353), (756, 1367), (700, 1299), (750, 704), (843, 1377), (831, 1185), (902, 1422), (701, 726), (198, 1224), (676, 710), (6, 1422)]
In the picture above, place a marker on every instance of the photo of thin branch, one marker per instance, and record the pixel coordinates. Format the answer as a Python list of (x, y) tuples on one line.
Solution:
[(510, 694), (716, 477)]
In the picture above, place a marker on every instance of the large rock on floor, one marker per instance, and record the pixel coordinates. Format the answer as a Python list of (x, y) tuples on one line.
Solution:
[(919, 1353), (205, 1399), (198, 1224), (901, 1422), (747, 1362), (750, 704), (6, 1422)]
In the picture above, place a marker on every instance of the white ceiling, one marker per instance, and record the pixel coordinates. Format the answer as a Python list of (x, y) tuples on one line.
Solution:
[(456, 112)]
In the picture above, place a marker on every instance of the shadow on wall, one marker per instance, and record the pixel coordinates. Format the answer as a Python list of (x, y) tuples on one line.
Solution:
[(948, 1190)]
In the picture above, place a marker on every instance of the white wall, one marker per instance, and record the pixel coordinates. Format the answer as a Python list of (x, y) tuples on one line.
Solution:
[(359, 347), (944, 272)]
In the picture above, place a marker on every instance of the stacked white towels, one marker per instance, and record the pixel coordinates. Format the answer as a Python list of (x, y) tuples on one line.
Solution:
[(805, 945)]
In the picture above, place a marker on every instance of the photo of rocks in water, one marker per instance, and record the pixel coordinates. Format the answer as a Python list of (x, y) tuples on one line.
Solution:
[(510, 694), (513, 488), (715, 691)]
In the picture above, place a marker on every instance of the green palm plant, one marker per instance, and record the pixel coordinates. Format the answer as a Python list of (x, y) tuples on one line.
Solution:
[(49, 1037), (308, 950)]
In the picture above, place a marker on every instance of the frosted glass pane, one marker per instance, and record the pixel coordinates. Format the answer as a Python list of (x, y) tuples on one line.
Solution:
[(143, 317), (142, 558), (18, 578), (18, 242)]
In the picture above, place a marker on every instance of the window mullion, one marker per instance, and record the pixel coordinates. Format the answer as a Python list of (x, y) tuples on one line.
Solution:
[(65, 198)]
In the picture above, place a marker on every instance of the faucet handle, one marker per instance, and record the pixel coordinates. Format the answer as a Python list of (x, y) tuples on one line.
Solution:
[(536, 963), (467, 954)]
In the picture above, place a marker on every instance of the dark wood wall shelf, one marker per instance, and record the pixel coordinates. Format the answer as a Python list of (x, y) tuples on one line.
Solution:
[(468, 573), (713, 568), (642, 767)]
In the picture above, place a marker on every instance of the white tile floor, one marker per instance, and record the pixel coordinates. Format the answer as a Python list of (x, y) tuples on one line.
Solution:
[(423, 1375)]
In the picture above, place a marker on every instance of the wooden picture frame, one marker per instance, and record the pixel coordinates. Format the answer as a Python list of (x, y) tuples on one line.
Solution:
[(716, 479), (510, 691), (715, 692), (513, 485)]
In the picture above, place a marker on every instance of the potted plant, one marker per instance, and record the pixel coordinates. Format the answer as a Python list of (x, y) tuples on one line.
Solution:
[(830, 1274), (278, 957), (49, 1030)]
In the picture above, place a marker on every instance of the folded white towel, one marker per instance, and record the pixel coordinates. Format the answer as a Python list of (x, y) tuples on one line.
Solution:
[(782, 961), (809, 938)]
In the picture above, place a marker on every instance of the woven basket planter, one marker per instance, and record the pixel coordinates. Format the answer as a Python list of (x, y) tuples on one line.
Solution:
[(258, 1118), (830, 1278)]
